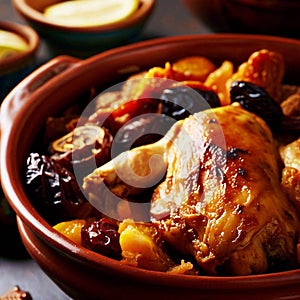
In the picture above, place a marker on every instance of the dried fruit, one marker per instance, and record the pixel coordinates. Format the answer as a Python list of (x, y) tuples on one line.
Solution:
[(264, 68), (217, 81), (192, 68), (141, 130), (54, 190), (102, 237), (86, 147), (71, 229), (142, 247), (255, 99), (129, 110), (180, 101)]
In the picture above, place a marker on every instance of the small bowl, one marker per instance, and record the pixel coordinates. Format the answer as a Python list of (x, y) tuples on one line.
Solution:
[(91, 39), (79, 272), (15, 67), (276, 17)]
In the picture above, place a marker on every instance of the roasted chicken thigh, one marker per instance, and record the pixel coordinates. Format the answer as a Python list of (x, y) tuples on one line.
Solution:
[(216, 200)]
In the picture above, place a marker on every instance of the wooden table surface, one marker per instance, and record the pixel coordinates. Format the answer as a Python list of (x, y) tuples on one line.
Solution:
[(170, 18)]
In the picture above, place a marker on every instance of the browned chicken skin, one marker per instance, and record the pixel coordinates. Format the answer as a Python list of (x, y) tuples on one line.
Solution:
[(221, 204), (290, 180), (234, 214)]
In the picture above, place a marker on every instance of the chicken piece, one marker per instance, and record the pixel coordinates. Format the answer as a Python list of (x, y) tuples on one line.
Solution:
[(290, 180), (229, 213), (290, 154), (221, 203), (129, 174)]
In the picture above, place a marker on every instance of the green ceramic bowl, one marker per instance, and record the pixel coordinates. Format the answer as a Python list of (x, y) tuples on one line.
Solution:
[(83, 39), (15, 67)]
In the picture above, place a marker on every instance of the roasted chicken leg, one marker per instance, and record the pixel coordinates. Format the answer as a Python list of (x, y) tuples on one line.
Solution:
[(220, 203)]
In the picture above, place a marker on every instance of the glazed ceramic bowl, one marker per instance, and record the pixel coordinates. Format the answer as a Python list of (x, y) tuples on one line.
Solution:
[(17, 66), (276, 17), (83, 274), (83, 39)]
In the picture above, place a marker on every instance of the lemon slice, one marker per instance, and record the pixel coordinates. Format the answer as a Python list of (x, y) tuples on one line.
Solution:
[(84, 13), (11, 43)]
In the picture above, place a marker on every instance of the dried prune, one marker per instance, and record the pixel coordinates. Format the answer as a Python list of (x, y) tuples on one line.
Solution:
[(54, 190), (102, 237), (181, 101), (85, 148), (255, 99), (142, 130), (175, 103)]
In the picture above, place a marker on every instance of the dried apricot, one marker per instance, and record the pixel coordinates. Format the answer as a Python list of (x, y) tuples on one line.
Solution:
[(71, 229), (159, 72), (217, 79), (192, 68), (255, 99)]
